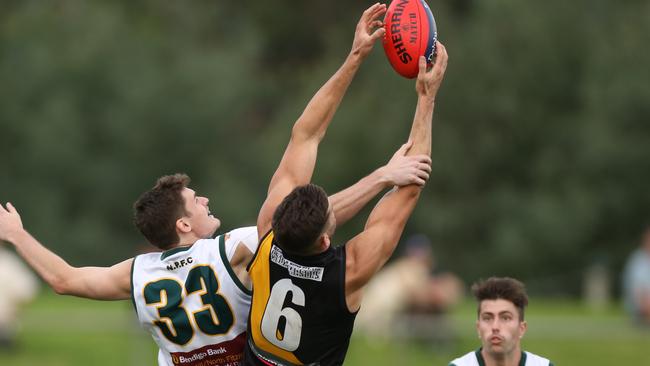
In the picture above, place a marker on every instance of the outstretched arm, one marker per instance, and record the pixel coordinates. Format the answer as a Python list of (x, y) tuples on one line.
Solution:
[(401, 170), (99, 283), (368, 251), (297, 164)]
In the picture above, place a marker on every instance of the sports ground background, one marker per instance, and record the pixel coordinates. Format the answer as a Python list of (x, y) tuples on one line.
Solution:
[(67, 331)]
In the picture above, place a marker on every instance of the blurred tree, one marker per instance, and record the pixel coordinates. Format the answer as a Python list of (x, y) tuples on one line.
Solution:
[(540, 152)]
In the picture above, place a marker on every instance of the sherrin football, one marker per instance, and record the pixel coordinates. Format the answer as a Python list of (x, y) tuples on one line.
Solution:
[(410, 33)]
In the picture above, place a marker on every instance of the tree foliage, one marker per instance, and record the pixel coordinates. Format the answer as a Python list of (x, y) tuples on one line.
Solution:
[(540, 147)]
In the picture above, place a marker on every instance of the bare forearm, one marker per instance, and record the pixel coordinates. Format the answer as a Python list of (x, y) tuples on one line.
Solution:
[(321, 108), (49, 266), (98, 283), (299, 159), (421, 128), (351, 200), (421, 138)]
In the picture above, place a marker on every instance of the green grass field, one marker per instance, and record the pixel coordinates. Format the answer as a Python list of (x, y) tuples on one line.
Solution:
[(63, 331)]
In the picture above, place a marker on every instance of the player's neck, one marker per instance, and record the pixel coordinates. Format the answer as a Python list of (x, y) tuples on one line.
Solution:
[(187, 240), (320, 246)]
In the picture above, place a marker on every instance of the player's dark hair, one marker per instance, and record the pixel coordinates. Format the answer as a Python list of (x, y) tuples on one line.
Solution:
[(505, 288), (156, 211), (300, 219)]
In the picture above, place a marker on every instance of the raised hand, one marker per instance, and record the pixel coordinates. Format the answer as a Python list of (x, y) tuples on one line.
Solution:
[(10, 222), (369, 29), (429, 81), (403, 170)]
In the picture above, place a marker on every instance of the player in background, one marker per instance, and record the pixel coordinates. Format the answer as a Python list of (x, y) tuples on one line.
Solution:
[(636, 282), (500, 326), (193, 297), (306, 292)]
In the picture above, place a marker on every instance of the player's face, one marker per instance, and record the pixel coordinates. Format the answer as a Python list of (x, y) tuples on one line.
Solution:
[(203, 223), (499, 328)]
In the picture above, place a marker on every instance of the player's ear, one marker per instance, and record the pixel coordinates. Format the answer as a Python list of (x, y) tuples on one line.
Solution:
[(523, 326), (183, 225), (324, 241)]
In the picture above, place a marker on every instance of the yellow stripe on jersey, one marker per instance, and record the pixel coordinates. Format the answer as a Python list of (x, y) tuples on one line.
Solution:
[(260, 275)]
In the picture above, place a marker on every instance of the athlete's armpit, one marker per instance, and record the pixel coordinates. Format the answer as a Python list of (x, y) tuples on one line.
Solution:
[(239, 261)]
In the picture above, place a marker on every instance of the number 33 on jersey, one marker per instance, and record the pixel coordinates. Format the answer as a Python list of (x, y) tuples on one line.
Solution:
[(192, 303)]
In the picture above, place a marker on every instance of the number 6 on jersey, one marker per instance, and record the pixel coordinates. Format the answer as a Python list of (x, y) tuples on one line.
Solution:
[(289, 339)]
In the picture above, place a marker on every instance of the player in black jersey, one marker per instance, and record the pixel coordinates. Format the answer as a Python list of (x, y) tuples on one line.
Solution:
[(306, 292)]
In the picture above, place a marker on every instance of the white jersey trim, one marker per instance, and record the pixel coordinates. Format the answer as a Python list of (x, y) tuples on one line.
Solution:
[(474, 358)]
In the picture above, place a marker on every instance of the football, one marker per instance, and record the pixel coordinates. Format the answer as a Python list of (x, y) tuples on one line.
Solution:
[(410, 33)]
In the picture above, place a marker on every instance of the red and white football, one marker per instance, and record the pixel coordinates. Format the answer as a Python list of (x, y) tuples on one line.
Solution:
[(410, 33)]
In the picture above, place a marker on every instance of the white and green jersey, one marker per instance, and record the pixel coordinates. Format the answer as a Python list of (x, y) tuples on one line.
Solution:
[(191, 301), (476, 359)]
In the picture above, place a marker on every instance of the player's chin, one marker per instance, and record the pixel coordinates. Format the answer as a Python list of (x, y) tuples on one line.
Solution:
[(216, 224), (495, 349)]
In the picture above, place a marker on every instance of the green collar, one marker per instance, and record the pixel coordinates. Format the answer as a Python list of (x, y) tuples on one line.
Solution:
[(170, 252), (481, 361)]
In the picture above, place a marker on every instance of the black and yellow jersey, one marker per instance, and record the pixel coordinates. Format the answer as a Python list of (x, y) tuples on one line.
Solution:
[(298, 312)]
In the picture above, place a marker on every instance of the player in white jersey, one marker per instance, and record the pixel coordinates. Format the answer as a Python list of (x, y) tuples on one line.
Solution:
[(192, 302), (500, 326), (475, 358), (186, 303)]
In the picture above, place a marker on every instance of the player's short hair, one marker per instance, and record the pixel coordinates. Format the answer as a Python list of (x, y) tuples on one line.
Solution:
[(156, 211), (505, 288), (300, 218)]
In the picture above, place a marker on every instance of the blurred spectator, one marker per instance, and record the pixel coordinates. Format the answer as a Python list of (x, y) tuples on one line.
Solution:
[(409, 298), (636, 282), (596, 286), (18, 285)]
